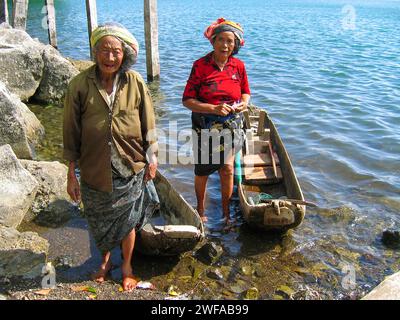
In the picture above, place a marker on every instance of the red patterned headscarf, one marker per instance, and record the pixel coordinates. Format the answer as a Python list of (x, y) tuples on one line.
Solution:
[(222, 25)]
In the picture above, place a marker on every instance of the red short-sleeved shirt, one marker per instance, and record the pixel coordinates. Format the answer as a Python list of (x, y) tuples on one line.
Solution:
[(207, 83)]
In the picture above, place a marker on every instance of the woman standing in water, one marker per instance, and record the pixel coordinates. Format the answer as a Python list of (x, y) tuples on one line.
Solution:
[(216, 91)]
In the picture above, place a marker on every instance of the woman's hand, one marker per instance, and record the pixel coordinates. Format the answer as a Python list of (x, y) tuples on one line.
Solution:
[(73, 188), (241, 107), (222, 109), (151, 169)]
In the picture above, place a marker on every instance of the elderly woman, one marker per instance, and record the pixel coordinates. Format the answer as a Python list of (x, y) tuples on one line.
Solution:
[(216, 91), (108, 129)]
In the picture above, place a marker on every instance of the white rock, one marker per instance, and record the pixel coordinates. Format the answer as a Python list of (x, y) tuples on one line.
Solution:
[(17, 188), (30, 68), (19, 126), (389, 289), (21, 63)]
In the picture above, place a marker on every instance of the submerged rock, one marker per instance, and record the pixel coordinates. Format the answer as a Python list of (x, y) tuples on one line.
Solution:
[(19, 127), (215, 274), (17, 188), (21, 254), (285, 291), (391, 238), (259, 270), (209, 253), (246, 270), (251, 294)]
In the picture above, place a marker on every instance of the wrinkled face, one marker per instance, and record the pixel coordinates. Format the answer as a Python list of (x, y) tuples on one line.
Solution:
[(224, 44), (109, 55)]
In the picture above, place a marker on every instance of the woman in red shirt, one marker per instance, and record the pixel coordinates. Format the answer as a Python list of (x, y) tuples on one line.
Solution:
[(216, 91)]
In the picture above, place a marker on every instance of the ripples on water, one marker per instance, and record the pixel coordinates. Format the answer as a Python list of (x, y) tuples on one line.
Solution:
[(333, 93)]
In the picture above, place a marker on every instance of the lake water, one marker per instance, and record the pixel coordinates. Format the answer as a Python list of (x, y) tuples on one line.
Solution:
[(328, 74)]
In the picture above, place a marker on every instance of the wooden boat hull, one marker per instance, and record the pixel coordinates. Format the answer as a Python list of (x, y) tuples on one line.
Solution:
[(277, 213), (179, 227)]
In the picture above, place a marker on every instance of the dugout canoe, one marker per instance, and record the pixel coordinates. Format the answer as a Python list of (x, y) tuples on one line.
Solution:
[(269, 192), (175, 228)]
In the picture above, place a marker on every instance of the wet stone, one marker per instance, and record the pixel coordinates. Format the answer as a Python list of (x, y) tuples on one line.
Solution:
[(195, 271), (215, 274), (246, 270), (259, 271), (391, 238), (251, 294), (209, 253), (285, 291), (64, 262), (236, 289), (239, 287)]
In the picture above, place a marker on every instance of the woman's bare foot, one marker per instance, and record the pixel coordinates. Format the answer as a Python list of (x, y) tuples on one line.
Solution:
[(202, 215), (101, 275), (129, 281), (227, 218)]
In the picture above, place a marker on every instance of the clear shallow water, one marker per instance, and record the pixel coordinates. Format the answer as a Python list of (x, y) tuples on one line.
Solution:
[(333, 92)]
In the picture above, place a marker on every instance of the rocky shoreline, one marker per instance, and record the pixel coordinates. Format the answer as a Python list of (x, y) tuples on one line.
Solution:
[(17, 289)]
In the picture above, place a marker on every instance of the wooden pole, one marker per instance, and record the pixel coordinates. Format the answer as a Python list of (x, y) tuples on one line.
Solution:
[(151, 39), (20, 12), (91, 11), (51, 21), (4, 12)]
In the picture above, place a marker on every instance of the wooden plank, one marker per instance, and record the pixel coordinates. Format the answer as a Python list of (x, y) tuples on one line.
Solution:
[(20, 13), (261, 122), (91, 12), (262, 175), (151, 40), (4, 12), (273, 159), (51, 23), (259, 160), (260, 146)]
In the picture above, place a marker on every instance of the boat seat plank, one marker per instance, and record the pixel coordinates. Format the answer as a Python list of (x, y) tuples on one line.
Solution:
[(262, 175), (259, 160)]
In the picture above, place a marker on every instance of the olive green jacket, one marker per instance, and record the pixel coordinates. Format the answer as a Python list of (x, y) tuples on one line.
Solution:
[(90, 126)]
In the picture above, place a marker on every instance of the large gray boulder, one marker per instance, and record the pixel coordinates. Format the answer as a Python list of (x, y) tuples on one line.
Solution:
[(19, 127), (57, 72), (21, 254), (21, 63), (389, 289), (30, 68), (52, 206), (17, 188)]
